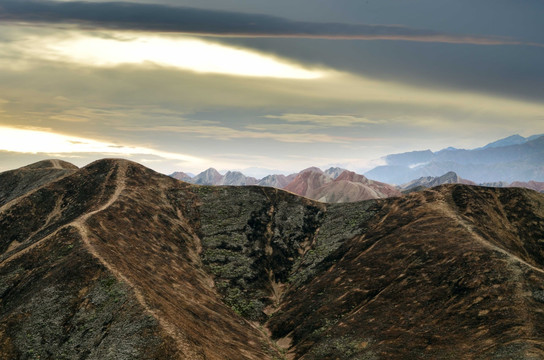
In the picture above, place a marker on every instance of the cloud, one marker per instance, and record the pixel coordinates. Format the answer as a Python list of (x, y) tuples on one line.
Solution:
[(181, 52), (33, 141), (164, 18), (226, 133), (324, 120)]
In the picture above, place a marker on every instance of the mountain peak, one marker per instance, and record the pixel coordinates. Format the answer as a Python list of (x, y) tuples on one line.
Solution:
[(208, 177)]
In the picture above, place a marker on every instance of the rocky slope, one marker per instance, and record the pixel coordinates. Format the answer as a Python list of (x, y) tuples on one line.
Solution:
[(115, 261)]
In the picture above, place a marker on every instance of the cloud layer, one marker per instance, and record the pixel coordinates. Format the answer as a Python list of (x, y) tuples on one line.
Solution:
[(156, 17)]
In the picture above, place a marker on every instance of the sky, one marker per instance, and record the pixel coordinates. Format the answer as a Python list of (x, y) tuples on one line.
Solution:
[(264, 86)]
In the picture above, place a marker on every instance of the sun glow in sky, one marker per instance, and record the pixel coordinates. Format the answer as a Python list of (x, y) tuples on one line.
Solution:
[(39, 141), (181, 52)]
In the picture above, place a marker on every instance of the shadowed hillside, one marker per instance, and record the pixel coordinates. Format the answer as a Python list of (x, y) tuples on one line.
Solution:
[(115, 261)]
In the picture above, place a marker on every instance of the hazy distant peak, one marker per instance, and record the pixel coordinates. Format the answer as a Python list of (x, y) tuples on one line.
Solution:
[(450, 177), (208, 177), (507, 141), (236, 178), (449, 148), (334, 172), (276, 180), (211, 171), (180, 175)]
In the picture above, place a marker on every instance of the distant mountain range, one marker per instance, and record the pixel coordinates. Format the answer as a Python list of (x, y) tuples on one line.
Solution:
[(514, 158), (333, 185), (514, 161)]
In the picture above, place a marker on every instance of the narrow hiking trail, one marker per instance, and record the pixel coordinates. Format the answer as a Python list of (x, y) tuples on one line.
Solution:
[(443, 207), (80, 225), (56, 164)]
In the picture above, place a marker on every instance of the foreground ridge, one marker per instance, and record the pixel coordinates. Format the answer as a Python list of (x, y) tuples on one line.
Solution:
[(116, 259)]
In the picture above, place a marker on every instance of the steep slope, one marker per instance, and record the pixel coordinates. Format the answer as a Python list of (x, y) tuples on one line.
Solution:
[(117, 261), (432, 181), (17, 182), (349, 187)]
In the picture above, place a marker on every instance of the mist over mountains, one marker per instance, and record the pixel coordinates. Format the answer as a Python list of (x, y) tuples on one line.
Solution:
[(514, 158)]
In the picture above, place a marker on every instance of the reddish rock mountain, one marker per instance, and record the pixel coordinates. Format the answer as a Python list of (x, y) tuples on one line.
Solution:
[(116, 261), (349, 187), (307, 181)]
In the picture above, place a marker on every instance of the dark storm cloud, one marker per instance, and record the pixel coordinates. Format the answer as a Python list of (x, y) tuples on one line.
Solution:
[(155, 17)]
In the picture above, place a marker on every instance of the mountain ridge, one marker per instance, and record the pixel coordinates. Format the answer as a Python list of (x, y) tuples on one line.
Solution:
[(162, 262)]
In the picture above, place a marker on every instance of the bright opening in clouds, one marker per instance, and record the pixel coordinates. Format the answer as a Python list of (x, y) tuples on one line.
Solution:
[(180, 52), (38, 141)]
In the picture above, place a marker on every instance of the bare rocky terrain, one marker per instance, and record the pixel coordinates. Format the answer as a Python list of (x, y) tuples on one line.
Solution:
[(115, 261)]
